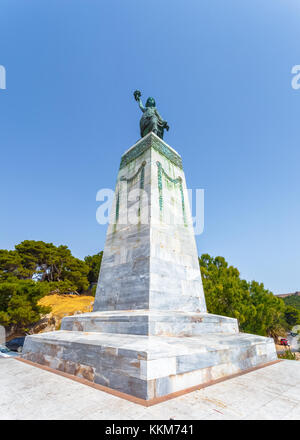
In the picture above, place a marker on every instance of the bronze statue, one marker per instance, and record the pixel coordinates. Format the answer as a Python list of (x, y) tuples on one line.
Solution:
[(151, 119)]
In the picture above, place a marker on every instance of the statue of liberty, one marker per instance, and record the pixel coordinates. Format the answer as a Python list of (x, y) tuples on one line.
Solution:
[(151, 119)]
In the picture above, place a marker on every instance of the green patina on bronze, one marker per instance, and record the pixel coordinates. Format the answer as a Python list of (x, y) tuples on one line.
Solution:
[(161, 172), (140, 171), (117, 211), (151, 119), (159, 177), (117, 207), (151, 142)]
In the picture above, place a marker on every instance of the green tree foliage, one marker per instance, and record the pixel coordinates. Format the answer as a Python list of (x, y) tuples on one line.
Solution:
[(53, 263), (94, 263), (292, 316), (32, 270), (292, 300), (257, 309), (44, 262), (93, 290), (19, 303), (11, 266)]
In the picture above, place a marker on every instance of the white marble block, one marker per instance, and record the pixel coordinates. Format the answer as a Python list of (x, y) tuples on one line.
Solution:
[(150, 259)]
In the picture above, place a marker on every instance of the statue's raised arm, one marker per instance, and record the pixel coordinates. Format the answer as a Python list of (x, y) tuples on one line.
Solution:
[(137, 96), (151, 119)]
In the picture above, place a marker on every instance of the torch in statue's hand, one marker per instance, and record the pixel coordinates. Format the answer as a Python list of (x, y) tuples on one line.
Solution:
[(137, 95)]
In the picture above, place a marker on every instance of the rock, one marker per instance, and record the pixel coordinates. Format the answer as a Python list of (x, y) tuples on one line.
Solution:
[(47, 323)]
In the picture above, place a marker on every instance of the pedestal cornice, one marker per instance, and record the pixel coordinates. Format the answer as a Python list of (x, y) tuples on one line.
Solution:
[(151, 141)]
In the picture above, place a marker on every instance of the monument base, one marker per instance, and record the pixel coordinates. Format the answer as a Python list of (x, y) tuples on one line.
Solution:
[(148, 367), (151, 323)]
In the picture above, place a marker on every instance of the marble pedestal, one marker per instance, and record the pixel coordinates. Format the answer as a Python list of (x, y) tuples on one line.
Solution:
[(149, 334), (149, 367)]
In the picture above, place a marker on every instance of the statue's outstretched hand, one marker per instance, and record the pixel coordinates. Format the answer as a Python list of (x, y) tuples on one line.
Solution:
[(137, 95), (166, 126)]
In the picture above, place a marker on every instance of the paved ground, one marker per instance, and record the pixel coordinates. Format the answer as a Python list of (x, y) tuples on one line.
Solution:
[(27, 392)]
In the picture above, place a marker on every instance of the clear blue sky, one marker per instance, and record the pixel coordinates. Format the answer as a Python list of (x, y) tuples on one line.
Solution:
[(221, 75)]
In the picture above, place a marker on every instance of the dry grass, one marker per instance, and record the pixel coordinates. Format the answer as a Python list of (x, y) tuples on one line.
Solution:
[(63, 305)]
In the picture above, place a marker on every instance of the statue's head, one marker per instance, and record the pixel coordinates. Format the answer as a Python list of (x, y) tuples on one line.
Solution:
[(150, 102)]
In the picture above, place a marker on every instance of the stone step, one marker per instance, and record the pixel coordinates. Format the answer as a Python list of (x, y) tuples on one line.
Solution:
[(148, 367), (152, 323)]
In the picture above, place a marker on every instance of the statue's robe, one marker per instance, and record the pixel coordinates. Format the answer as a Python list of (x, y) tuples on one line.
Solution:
[(151, 121)]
